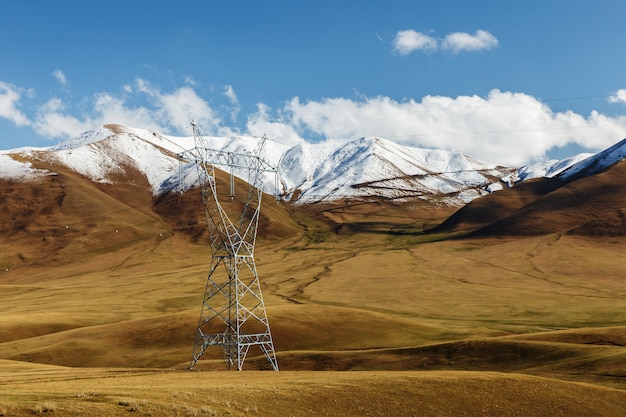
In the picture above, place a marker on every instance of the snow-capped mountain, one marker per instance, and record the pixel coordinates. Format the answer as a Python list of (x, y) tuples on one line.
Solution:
[(549, 169), (308, 172), (594, 163), (377, 167)]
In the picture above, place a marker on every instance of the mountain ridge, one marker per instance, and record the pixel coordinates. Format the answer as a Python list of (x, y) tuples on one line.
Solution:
[(309, 173), (123, 161)]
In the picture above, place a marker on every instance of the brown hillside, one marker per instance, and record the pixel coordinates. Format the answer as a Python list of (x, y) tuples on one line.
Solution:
[(498, 205), (54, 218), (185, 212), (573, 207), (589, 206)]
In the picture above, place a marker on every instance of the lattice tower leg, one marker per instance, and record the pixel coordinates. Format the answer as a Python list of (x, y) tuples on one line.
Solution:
[(233, 314)]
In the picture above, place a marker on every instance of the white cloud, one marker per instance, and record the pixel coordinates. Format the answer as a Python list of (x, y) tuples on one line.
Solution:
[(159, 111), (111, 109), (504, 127), (60, 76), (460, 41), (618, 97), (167, 111), (407, 41), (230, 94), (263, 123), (235, 108), (9, 99), (54, 122), (183, 105), (51, 122)]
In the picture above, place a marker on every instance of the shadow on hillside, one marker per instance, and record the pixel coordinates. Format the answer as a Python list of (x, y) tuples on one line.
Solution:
[(386, 228)]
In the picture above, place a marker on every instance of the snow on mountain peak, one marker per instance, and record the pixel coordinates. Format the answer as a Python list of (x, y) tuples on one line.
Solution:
[(595, 163), (85, 138), (549, 168), (308, 172), (373, 166), (17, 170)]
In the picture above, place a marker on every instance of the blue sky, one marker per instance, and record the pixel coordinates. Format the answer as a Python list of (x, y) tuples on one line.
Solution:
[(507, 82)]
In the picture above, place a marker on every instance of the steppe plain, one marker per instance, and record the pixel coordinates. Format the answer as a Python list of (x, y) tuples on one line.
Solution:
[(101, 291)]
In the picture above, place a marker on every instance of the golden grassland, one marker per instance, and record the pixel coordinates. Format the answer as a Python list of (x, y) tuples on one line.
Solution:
[(369, 315), (28, 389), (427, 325)]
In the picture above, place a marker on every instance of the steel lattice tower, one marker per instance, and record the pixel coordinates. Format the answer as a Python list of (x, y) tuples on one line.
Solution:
[(233, 314)]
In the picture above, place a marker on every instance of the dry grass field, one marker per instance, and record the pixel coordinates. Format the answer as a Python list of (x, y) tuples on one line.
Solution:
[(101, 294)]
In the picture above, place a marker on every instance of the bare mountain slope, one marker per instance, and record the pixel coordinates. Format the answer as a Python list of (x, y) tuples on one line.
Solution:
[(51, 217), (587, 199), (597, 200), (54, 218)]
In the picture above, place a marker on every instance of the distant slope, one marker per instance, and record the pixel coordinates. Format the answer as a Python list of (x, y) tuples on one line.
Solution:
[(576, 207), (587, 199), (496, 206), (595, 163)]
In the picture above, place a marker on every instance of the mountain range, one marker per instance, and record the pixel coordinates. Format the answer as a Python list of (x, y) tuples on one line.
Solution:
[(584, 194), (308, 172)]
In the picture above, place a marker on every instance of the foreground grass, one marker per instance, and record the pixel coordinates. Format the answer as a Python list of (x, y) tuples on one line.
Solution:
[(27, 389)]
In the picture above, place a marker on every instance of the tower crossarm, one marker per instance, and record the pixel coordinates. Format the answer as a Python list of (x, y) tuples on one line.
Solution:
[(222, 158)]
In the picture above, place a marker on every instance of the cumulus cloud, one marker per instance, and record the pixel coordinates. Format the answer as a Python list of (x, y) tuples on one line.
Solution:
[(53, 122), (504, 127), (163, 112), (179, 107), (407, 41), (460, 41), (183, 105), (264, 122), (60, 76), (109, 108), (9, 100), (618, 97), (230, 94)]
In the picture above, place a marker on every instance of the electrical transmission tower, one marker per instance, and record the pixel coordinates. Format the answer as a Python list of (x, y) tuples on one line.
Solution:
[(233, 314)]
